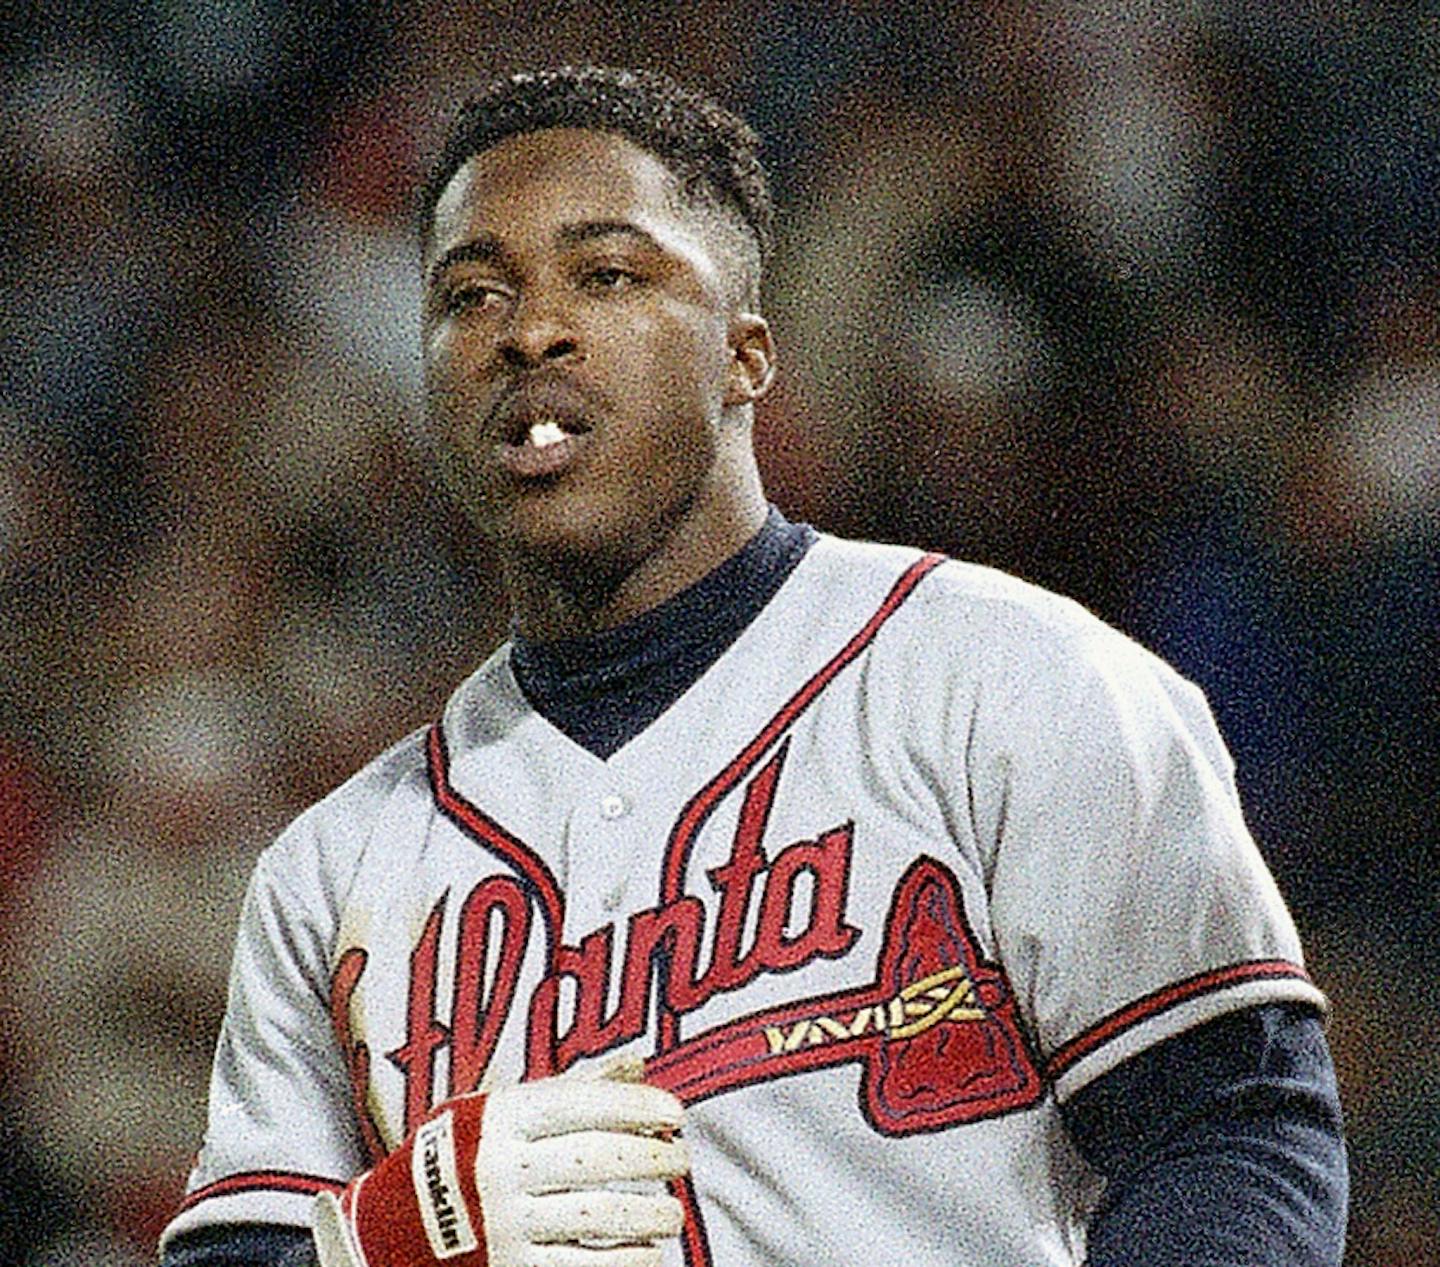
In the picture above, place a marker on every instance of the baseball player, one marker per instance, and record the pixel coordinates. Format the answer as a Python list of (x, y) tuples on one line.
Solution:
[(767, 898)]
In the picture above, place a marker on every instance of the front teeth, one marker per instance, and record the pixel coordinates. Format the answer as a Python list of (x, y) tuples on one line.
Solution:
[(543, 434)]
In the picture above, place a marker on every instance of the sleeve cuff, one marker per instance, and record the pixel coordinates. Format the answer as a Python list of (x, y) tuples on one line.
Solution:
[(252, 1197), (1171, 1010)]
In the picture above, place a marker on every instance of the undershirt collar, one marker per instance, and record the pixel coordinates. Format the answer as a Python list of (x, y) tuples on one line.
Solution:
[(604, 689)]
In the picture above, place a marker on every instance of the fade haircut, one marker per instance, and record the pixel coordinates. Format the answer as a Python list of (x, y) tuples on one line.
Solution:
[(712, 153)]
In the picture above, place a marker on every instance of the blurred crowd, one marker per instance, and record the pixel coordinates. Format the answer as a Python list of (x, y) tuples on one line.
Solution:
[(1141, 302)]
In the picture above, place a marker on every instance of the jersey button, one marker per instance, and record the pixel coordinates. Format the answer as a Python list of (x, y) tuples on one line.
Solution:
[(614, 806)]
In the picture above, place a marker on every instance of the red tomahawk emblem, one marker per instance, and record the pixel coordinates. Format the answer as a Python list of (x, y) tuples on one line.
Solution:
[(936, 1030)]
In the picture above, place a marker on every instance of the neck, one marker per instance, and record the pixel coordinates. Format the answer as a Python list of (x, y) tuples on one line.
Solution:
[(575, 595)]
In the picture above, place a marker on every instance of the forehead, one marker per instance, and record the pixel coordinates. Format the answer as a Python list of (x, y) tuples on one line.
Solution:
[(556, 176)]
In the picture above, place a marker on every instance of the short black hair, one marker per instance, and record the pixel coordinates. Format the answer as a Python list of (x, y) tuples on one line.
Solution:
[(713, 153)]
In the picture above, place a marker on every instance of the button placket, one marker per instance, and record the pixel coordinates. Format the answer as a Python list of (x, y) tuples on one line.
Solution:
[(602, 852), (615, 806)]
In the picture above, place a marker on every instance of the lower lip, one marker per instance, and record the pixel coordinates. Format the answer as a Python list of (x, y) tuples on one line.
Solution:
[(531, 462)]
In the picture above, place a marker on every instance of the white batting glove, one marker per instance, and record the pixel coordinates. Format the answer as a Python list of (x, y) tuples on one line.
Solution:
[(553, 1173)]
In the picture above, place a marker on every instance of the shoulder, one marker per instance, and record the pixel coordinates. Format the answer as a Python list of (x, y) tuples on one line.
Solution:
[(326, 844), (1012, 648), (319, 852), (487, 707), (980, 594), (980, 610)]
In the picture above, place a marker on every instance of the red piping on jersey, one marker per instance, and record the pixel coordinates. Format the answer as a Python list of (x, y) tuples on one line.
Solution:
[(262, 1181), (693, 1238), (1162, 1000), (511, 849), (702, 804)]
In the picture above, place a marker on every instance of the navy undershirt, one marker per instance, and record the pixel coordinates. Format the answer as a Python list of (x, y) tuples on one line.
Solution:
[(1222, 1146), (604, 689)]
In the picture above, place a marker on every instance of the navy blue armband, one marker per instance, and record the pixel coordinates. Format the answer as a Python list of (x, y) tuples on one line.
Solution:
[(1221, 1147)]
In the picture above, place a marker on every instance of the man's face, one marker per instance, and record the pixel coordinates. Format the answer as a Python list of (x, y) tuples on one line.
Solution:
[(578, 351)]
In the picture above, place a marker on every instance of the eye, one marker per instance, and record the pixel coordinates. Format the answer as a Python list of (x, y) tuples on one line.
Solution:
[(611, 277), (471, 296)]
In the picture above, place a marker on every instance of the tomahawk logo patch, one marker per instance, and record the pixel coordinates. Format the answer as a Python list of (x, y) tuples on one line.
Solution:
[(962, 1056), (936, 1031)]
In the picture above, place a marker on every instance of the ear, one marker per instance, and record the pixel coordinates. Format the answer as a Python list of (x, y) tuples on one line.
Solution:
[(752, 363)]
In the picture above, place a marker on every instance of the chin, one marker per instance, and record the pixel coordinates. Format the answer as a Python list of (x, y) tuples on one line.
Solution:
[(567, 536)]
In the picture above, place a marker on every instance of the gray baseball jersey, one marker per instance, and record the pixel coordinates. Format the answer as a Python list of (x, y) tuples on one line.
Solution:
[(924, 852)]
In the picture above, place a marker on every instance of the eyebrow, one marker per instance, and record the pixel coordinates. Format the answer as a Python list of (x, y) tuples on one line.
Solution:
[(478, 250), (486, 248), (589, 230)]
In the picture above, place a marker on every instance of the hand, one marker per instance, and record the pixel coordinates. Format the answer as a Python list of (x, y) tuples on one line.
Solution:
[(553, 1173)]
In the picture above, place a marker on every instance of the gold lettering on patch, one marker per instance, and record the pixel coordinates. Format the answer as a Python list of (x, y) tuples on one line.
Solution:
[(948, 995)]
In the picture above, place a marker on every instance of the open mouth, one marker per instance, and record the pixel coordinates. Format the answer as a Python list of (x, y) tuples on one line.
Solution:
[(542, 435), (543, 413), (542, 448), (543, 427)]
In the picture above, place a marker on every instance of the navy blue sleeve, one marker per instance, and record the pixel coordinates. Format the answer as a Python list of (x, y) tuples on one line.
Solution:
[(1222, 1147), (243, 1245)]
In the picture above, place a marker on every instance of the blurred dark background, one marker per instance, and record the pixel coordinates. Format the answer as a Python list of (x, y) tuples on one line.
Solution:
[(1141, 302)]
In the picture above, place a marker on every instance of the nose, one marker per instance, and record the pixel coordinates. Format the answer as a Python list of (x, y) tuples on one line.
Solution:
[(539, 332)]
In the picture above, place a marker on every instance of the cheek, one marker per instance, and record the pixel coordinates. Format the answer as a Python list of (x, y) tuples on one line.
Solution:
[(443, 360), (686, 361), (438, 367), (454, 391)]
